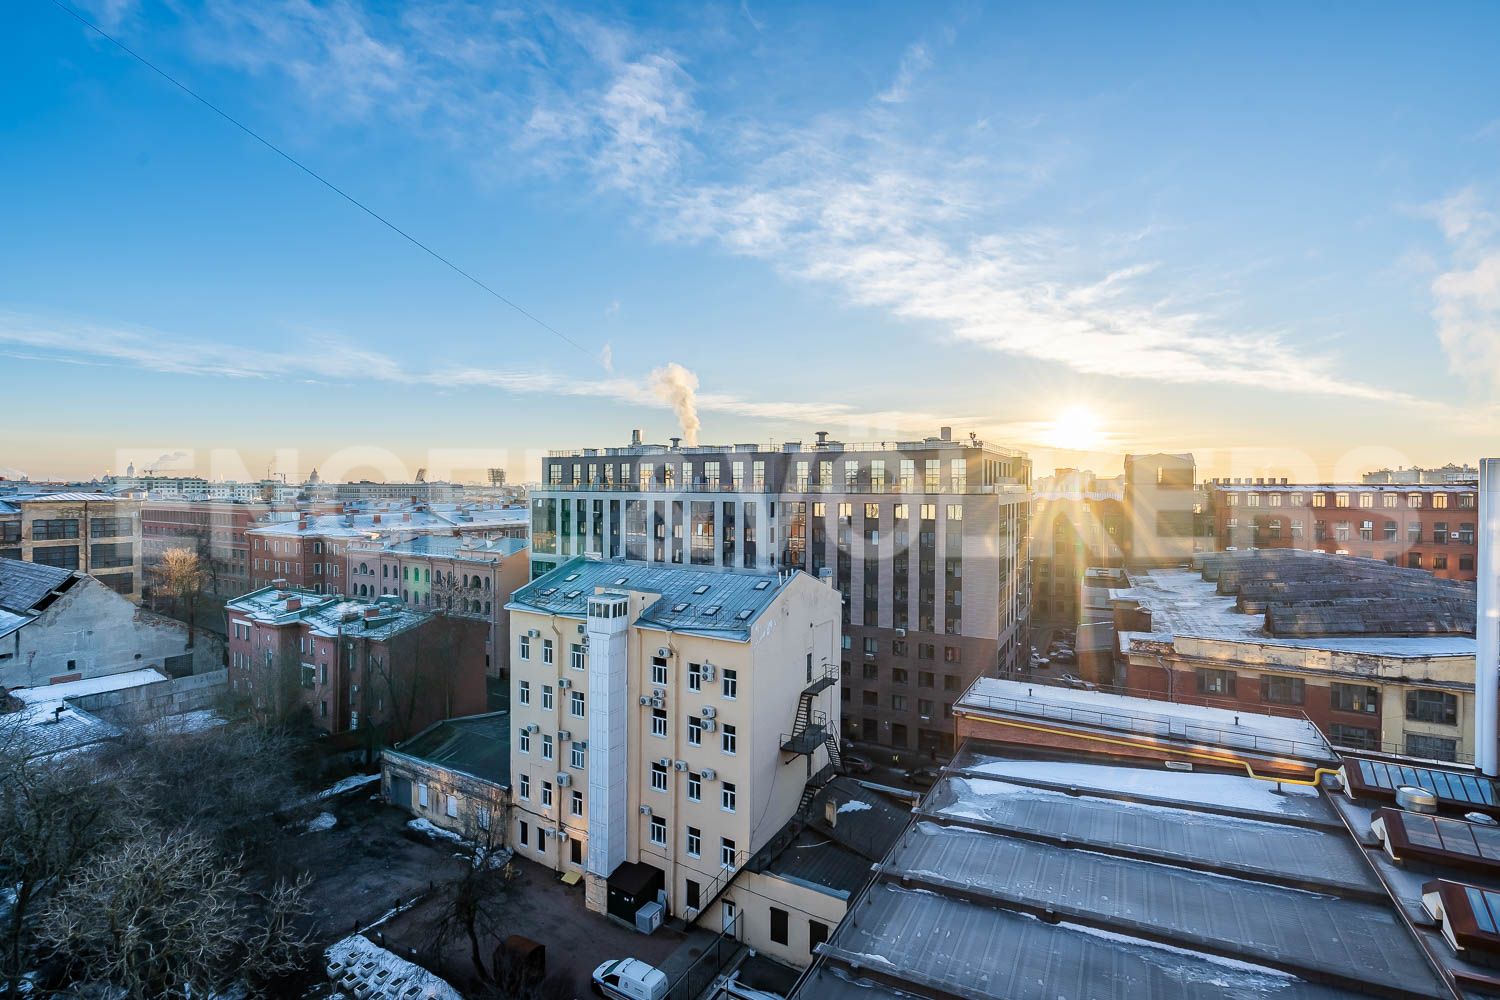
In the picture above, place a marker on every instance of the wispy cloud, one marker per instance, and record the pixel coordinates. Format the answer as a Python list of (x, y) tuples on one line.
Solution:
[(335, 359), (1466, 296), (845, 199)]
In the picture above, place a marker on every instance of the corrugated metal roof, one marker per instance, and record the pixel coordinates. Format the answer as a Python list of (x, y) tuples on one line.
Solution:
[(721, 602)]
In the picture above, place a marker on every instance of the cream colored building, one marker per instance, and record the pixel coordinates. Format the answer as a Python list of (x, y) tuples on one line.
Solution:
[(666, 722)]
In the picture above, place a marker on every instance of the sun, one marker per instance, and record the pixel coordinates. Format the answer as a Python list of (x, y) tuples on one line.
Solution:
[(1075, 429)]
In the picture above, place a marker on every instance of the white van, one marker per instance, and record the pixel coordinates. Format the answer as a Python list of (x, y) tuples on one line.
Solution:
[(630, 979)]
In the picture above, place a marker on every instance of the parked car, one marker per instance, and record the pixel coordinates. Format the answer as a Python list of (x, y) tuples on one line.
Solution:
[(630, 979), (1076, 682), (921, 777), (855, 764)]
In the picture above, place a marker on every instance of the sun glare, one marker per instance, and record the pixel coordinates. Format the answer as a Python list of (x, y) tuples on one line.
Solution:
[(1075, 429)]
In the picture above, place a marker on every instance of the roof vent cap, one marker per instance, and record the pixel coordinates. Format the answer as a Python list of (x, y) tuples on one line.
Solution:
[(1414, 799), (1483, 819)]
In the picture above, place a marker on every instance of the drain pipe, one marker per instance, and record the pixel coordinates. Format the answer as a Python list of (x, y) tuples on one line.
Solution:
[(1487, 625)]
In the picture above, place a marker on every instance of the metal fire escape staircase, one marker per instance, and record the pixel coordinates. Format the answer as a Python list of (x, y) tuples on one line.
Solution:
[(810, 730)]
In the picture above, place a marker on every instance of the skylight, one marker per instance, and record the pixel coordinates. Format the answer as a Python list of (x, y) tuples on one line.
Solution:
[(712, 609), (549, 591), (679, 608), (701, 590), (621, 581), (744, 614), (570, 578), (762, 585)]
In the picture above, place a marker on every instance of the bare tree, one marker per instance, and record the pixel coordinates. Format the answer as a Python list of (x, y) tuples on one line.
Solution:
[(180, 576), (166, 915), (474, 900), (273, 696), (54, 814)]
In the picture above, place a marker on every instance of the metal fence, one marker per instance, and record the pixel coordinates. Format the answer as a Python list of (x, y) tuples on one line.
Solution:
[(710, 965)]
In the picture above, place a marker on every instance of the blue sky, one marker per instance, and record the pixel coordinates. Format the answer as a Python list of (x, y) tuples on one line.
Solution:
[(1267, 235)]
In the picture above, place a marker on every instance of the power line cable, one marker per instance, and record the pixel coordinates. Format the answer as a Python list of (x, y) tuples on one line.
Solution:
[(90, 25)]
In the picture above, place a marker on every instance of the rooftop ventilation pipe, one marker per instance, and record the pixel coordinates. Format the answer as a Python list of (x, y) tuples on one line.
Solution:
[(1487, 624), (635, 436)]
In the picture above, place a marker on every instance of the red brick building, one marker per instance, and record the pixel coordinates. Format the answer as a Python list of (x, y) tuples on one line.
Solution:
[(1417, 526), (354, 664), (215, 529)]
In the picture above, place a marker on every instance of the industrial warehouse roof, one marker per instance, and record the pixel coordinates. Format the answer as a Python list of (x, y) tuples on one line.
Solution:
[(1080, 878), (1292, 737), (476, 745), (718, 602), (1317, 601), (65, 497)]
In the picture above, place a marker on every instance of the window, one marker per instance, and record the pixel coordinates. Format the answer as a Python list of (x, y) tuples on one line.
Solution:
[(729, 739), (778, 925), (1341, 499), (575, 656), (1367, 500), (546, 650), (659, 831), (482, 816), (523, 741), (525, 786), (695, 787), (422, 794), (51, 529), (575, 803), (1215, 682), (546, 795), (1353, 698), (899, 676), (547, 704), (576, 756), (871, 672), (695, 677), (1281, 690), (1431, 747), (525, 649), (575, 704), (726, 853), (694, 731), (898, 702), (546, 748), (452, 807), (1432, 706), (1388, 500), (658, 778), (659, 722), (731, 683), (1440, 501), (523, 692), (658, 671), (817, 933), (694, 842), (1354, 737), (727, 796), (525, 837)]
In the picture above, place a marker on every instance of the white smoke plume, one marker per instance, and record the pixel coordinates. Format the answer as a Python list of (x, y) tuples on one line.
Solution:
[(674, 384), (172, 461)]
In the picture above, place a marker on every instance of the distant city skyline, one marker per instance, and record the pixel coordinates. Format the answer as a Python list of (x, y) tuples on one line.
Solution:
[(1267, 237)]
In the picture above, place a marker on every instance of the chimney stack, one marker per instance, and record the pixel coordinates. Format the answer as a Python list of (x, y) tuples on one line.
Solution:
[(635, 436), (1487, 624), (676, 442), (946, 433), (822, 438)]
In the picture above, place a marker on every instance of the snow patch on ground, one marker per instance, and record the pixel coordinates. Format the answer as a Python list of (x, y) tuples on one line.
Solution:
[(322, 821), (854, 806), (347, 785), (421, 825)]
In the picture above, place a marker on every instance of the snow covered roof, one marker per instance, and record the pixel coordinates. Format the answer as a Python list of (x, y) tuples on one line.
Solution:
[(24, 585), (1046, 878), (713, 602), (1184, 604), (327, 614), (363, 969), (48, 693)]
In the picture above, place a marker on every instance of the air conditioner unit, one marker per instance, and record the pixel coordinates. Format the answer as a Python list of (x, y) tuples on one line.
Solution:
[(645, 699), (563, 683), (532, 727), (582, 628), (533, 633), (708, 671), (645, 810), (658, 703), (679, 765), (664, 651), (564, 779), (665, 762), (709, 711), (708, 725), (564, 736), (582, 744), (901, 633), (709, 774), (658, 693)]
